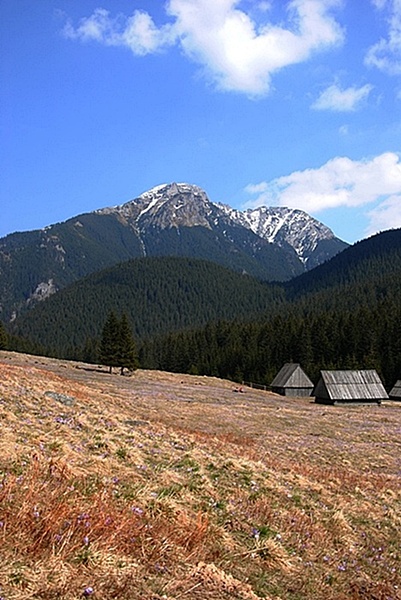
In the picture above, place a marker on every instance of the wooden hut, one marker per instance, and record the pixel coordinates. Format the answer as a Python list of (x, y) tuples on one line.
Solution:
[(395, 393), (291, 380), (349, 387)]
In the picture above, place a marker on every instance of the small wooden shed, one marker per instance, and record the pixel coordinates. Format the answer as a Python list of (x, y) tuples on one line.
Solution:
[(291, 380), (395, 393), (349, 387)]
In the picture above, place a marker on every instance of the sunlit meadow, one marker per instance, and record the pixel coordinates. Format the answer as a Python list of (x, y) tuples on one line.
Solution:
[(169, 486)]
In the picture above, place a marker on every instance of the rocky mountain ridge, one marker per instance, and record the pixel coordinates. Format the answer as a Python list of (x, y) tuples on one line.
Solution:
[(183, 204)]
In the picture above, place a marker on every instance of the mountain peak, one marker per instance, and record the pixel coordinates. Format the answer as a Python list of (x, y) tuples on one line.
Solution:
[(174, 205), (170, 189), (171, 219), (165, 206)]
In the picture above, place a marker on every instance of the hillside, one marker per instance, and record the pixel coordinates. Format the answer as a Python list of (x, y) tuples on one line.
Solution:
[(170, 220), (345, 314), (171, 486), (374, 262), (159, 295)]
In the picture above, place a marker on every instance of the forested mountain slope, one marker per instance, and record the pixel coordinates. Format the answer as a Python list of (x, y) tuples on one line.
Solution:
[(158, 295), (344, 314)]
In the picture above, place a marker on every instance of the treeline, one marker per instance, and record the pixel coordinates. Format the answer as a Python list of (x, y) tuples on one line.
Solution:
[(359, 339)]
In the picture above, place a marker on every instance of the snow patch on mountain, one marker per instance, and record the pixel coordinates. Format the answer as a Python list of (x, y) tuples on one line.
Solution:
[(184, 204), (279, 225)]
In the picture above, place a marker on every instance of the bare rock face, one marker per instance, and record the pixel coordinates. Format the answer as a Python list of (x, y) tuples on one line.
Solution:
[(166, 206), (185, 205)]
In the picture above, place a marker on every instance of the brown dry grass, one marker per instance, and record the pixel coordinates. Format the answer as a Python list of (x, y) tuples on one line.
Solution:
[(172, 486)]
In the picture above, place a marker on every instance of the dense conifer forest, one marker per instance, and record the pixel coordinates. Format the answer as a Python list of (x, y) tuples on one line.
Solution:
[(158, 295), (345, 314), (194, 316)]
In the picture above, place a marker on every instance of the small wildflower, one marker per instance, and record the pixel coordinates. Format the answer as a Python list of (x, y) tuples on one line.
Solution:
[(255, 533), (88, 591), (137, 510), (83, 518), (86, 540)]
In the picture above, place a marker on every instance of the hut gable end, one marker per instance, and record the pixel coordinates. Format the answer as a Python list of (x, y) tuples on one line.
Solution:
[(395, 393), (291, 380)]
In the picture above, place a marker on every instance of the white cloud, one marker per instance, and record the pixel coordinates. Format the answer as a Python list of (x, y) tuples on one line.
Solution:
[(385, 216), (241, 56), (341, 182), (386, 53), (236, 52), (339, 100), (138, 32)]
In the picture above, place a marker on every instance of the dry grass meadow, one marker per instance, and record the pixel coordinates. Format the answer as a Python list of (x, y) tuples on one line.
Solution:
[(161, 486)]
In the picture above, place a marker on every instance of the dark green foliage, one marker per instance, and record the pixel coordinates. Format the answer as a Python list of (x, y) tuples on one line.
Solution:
[(256, 352), (109, 344), (236, 248), (345, 314), (3, 337), (60, 254), (158, 295), (127, 356), (117, 346)]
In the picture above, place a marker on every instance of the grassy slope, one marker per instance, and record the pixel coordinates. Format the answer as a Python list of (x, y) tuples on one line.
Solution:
[(172, 486)]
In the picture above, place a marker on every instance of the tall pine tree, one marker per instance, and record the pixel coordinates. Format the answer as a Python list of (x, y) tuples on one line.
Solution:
[(109, 343), (117, 345), (127, 352)]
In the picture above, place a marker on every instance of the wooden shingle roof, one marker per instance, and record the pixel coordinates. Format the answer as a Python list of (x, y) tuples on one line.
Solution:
[(396, 391), (348, 386), (291, 376)]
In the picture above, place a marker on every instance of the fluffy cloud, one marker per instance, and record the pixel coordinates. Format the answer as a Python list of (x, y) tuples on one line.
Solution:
[(236, 52), (336, 99), (386, 53), (340, 182)]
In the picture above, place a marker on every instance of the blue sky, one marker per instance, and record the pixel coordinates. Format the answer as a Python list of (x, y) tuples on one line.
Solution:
[(279, 103)]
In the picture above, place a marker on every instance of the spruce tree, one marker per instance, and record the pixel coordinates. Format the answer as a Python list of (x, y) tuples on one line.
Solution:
[(117, 345), (127, 353), (109, 343)]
